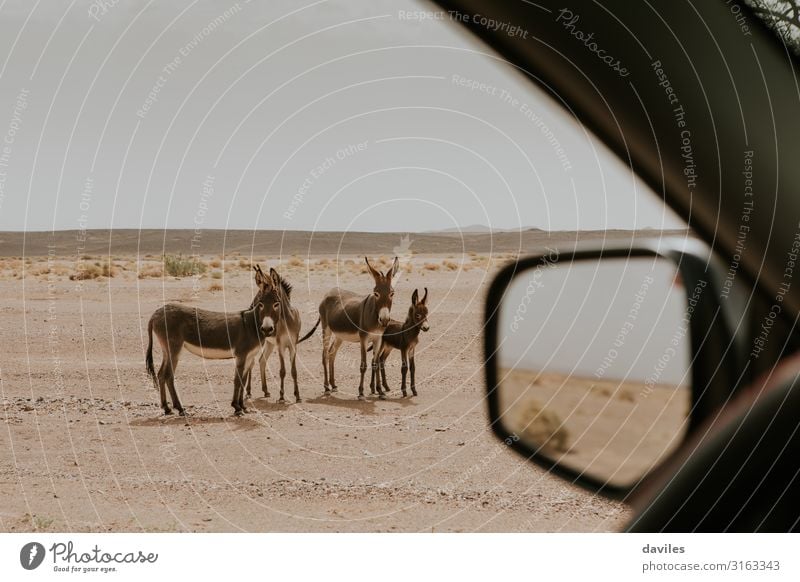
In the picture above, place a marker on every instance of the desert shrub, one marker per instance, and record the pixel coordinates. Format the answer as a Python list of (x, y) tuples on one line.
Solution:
[(431, 267), (216, 275), (215, 264), (296, 262), (543, 427), (180, 266), (151, 272), (215, 287), (450, 265), (87, 271)]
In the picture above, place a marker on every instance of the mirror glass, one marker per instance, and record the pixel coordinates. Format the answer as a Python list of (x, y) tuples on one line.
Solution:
[(594, 363)]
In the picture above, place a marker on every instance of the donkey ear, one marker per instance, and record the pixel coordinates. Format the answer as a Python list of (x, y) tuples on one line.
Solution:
[(395, 267), (259, 274), (414, 297), (375, 274), (425, 297), (273, 274)]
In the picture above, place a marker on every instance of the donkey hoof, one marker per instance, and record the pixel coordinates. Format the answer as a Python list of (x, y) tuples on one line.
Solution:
[(298, 400), (334, 389), (266, 394), (281, 400), (381, 396), (413, 393), (182, 412), (405, 395), (167, 411), (386, 389), (361, 397)]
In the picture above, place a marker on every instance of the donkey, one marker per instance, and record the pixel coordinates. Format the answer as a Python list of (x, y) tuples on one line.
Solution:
[(347, 316), (287, 330), (404, 337), (210, 335)]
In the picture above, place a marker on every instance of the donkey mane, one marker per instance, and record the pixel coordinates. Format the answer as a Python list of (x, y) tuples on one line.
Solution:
[(287, 287)]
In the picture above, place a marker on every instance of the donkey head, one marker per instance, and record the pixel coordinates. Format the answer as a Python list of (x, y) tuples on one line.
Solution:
[(418, 312), (383, 291), (267, 314), (267, 302)]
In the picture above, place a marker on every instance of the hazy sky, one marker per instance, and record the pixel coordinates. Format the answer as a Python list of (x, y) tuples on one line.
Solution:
[(334, 115)]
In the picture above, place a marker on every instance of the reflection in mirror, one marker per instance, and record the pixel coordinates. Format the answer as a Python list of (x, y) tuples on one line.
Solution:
[(594, 369)]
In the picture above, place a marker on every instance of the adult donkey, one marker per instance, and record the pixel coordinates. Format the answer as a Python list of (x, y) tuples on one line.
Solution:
[(348, 316), (287, 330), (211, 335)]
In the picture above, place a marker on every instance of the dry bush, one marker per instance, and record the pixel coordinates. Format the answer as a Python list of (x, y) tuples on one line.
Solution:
[(295, 262), (151, 272), (215, 264), (215, 287), (87, 271), (450, 265), (244, 264), (180, 266), (431, 267), (626, 396), (216, 275), (542, 427), (39, 270)]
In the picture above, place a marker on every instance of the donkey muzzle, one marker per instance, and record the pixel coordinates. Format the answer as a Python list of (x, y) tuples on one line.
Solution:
[(384, 317), (268, 327), (425, 326)]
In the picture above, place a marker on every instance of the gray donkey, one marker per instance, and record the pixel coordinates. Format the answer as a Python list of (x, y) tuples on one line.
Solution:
[(287, 330), (348, 316), (404, 336), (212, 335)]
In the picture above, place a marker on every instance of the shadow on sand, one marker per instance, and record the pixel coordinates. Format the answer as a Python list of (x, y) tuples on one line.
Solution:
[(237, 423), (367, 407)]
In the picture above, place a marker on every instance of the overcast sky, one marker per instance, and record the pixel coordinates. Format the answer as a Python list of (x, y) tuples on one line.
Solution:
[(288, 114)]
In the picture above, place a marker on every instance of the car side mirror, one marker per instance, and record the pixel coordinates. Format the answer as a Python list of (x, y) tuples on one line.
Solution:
[(600, 362)]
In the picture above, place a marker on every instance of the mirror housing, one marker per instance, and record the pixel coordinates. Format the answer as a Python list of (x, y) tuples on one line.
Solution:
[(715, 371)]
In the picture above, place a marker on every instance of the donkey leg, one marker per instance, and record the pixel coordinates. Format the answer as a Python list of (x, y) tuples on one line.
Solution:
[(363, 367), (238, 387), (162, 386), (162, 374), (262, 365), (169, 377), (404, 371), (326, 340), (384, 355), (283, 372), (332, 359), (377, 349), (293, 356), (412, 366)]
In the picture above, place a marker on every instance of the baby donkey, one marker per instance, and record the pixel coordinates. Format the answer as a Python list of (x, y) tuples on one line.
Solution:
[(404, 337)]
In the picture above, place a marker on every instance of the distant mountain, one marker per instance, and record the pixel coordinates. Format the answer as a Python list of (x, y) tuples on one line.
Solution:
[(480, 229)]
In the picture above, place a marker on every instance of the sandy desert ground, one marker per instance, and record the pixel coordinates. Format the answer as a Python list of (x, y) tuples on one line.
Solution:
[(84, 447), (615, 431)]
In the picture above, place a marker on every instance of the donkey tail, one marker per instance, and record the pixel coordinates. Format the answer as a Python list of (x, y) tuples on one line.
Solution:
[(310, 333), (148, 360)]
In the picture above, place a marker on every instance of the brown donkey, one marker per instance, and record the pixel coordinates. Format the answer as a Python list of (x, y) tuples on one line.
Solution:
[(405, 337), (348, 316), (212, 335), (287, 330)]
